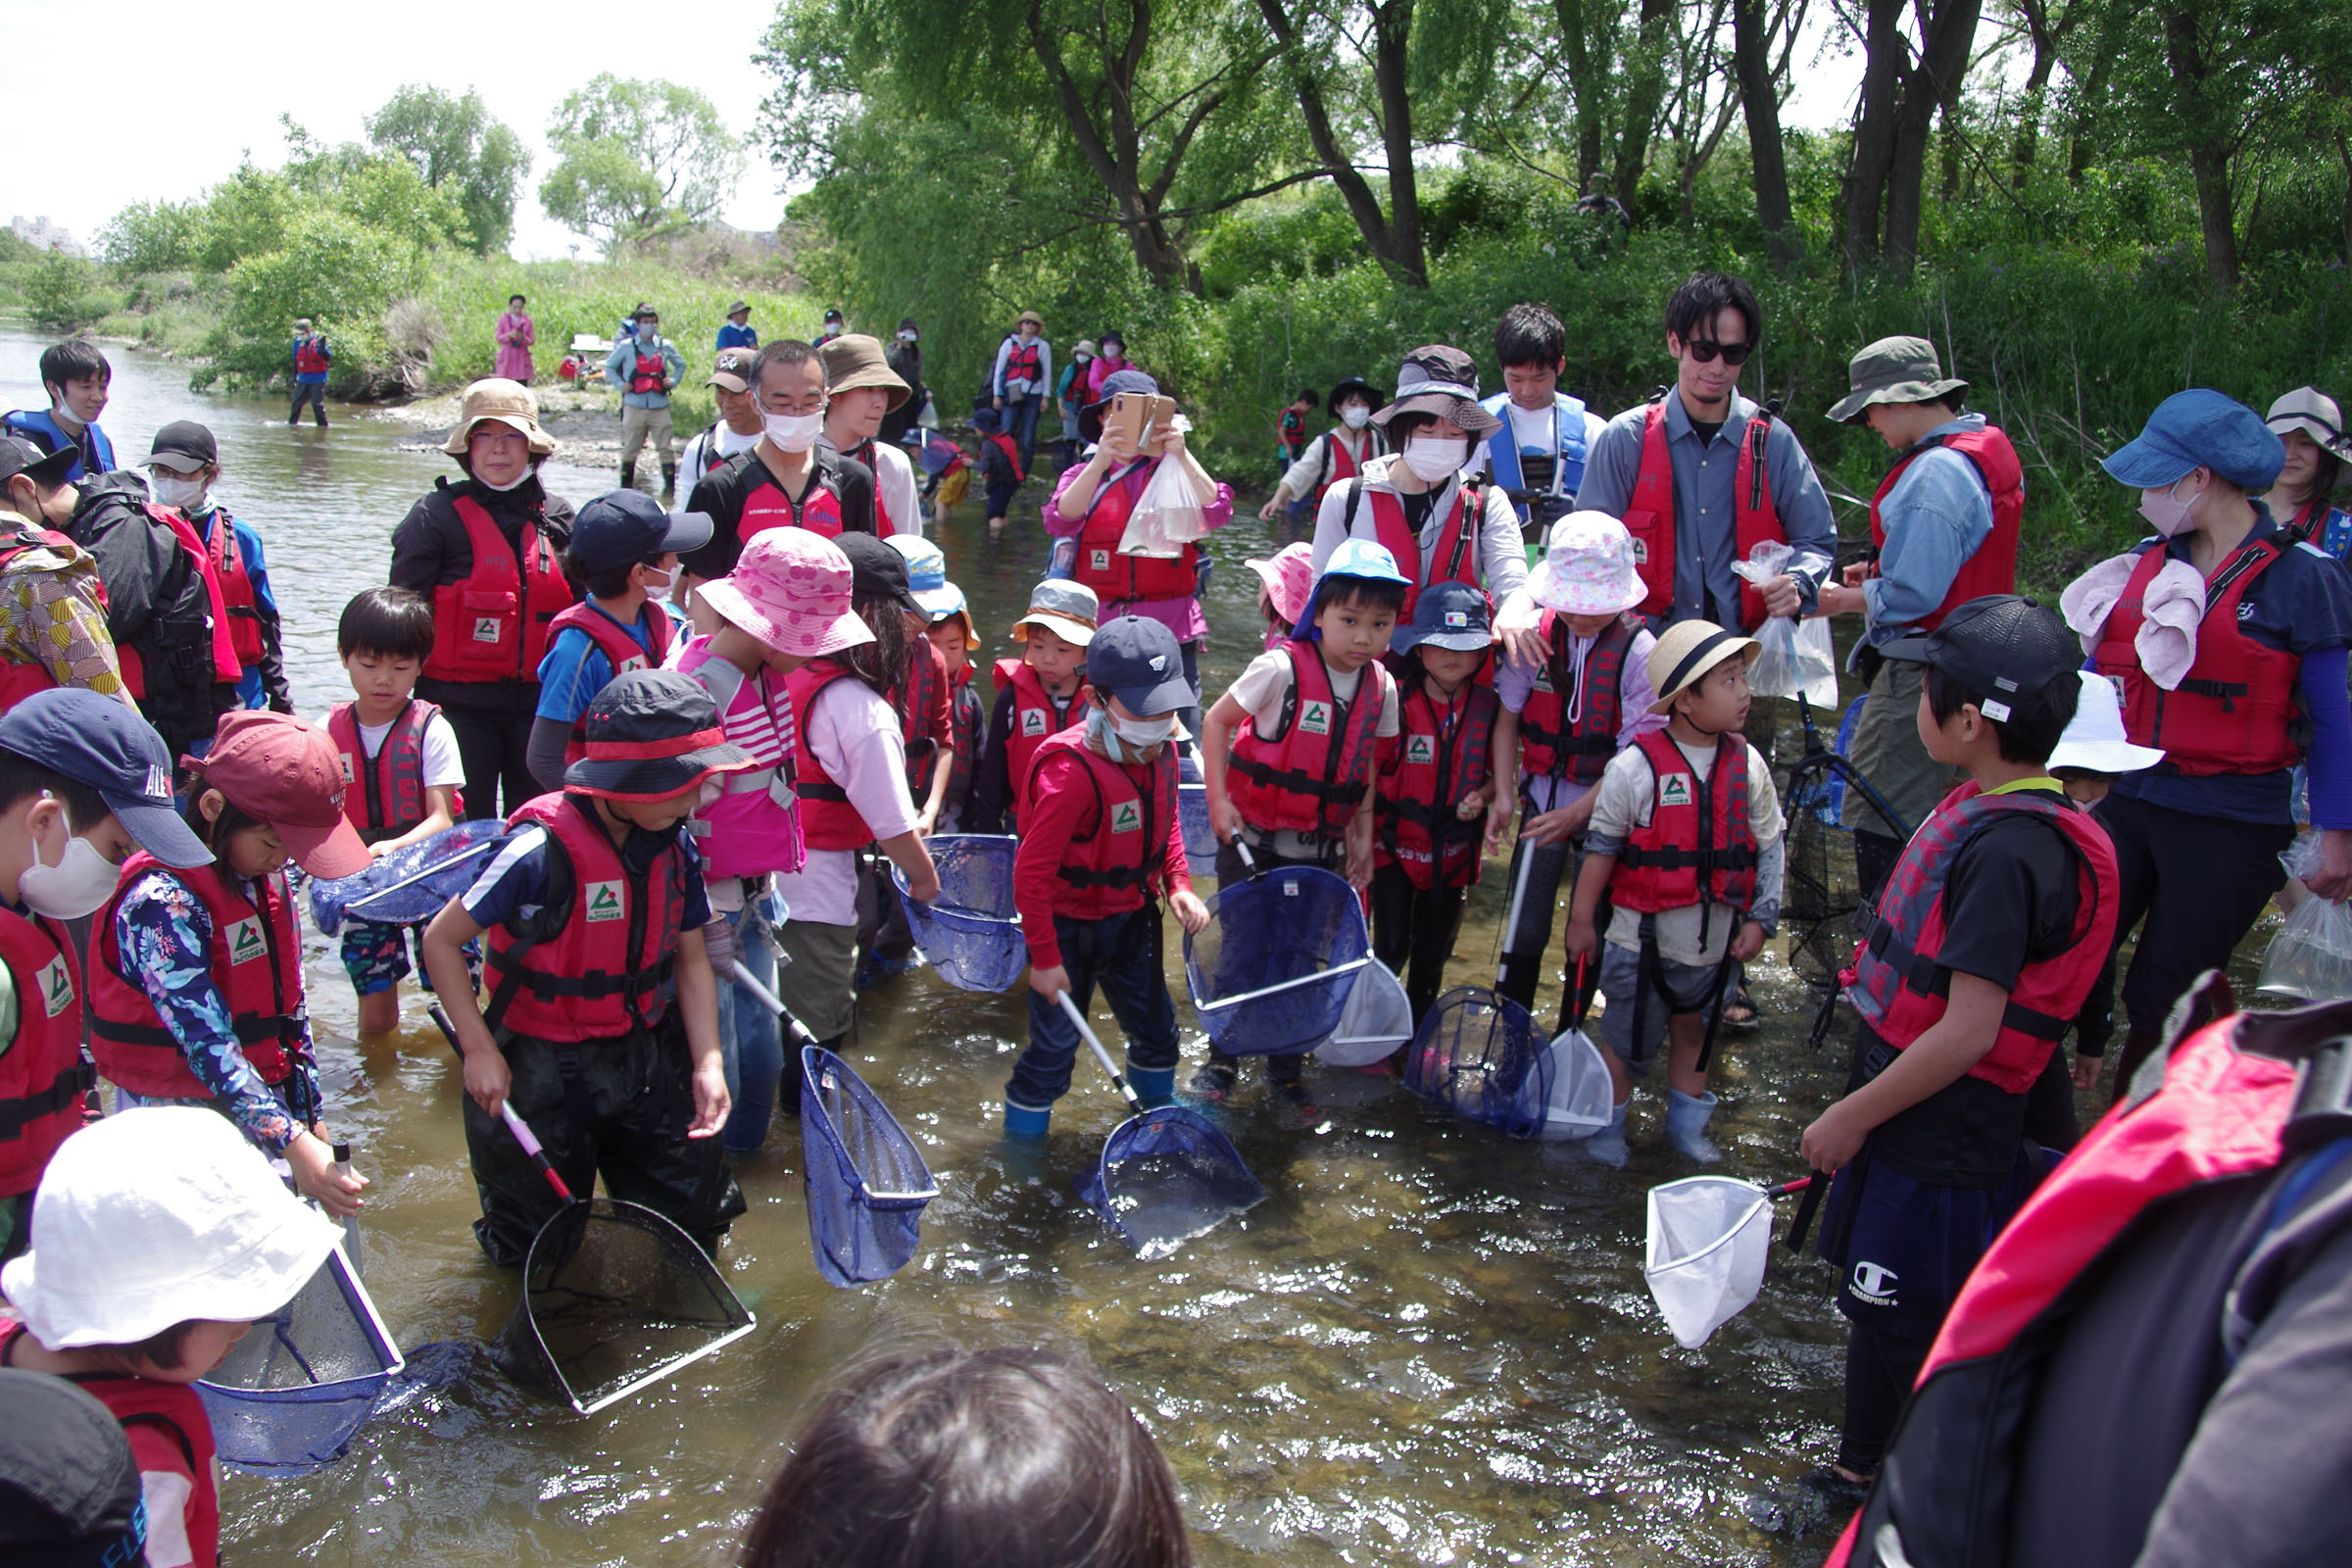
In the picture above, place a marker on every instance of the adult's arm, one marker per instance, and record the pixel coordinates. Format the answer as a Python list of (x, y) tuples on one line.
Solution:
[(1936, 520), (614, 364), (1503, 549), (55, 620), (2330, 772), (996, 377), (1073, 493), (1611, 468), (543, 754)]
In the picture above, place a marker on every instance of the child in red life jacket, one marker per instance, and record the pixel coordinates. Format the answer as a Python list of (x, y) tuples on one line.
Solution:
[(1040, 694), (624, 551), (1562, 719), (1290, 431), (163, 1236), (1981, 948), (948, 626), (401, 772), (1001, 471), (1306, 727), (1099, 843), (1283, 583), (1436, 788), (1684, 843), (196, 994), (83, 781), (603, 1024)]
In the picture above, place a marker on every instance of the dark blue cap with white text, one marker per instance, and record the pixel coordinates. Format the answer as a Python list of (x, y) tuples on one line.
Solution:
[(1136, 660), (622, 528), (103, 742)]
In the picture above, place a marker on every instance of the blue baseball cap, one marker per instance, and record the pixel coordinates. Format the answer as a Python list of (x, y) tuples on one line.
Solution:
[(103, 742), (1452, 616), (1136, 660), (1352, 558), (2200, 428), (621, 527)]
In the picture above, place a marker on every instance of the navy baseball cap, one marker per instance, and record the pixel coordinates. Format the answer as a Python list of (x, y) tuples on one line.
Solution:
[(1136, 660), (68, 1486), (1448, 615), (103, 742), (622, 528), (2200, 428), (2002, 647)]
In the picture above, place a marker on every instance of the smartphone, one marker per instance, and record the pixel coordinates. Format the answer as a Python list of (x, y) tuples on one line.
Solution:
[(1138, 417)]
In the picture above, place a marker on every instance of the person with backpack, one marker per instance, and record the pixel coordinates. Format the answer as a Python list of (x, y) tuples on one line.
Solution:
[(737, 427), (1335, 457), (313, 358), (1023, 370), (53, 629), (181, 470), (1069, 394), (646, 369)]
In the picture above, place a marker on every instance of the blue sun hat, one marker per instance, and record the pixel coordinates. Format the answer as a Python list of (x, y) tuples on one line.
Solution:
[(1355, 560), (2200, 428), (928, 575)]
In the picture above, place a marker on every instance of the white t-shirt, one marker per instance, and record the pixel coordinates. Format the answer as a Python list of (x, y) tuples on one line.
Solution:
[(1627, 793), (853, 735), (1261, 691), (443, 766), (708, 451)]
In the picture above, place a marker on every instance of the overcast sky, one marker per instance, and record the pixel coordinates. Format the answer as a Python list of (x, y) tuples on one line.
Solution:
[(200, 84)]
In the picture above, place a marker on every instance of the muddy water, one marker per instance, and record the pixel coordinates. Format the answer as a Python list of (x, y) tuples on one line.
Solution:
[(1431, 1344)]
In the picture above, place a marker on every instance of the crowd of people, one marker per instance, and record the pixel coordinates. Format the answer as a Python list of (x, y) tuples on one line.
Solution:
[(714, 733)]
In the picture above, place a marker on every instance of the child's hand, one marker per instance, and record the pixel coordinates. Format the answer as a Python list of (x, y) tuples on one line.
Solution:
[(1265, 514), (1049, 982), (314, 1176), (1582, 939), (378, 851), (488, 1078), (1190, 912), (1360, 865), (1835, 1139), (1748, 941), (710, 1102), (1498, 828), (927, 822), (1561, 823), (1224, 819)]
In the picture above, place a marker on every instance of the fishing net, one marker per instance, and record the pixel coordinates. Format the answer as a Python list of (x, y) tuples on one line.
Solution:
[(409, 884), (970, 932), (1708, 1239), (293, 1391), (1270, 973), (1582, 1096), (615, 1298), (1478, 1056), (1821, 887), (1167, 1176), (1376, 1023), (868, 1181), (1191, 812)]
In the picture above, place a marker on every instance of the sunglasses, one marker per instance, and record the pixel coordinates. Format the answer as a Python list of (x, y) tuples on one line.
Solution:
[(1733, 353)]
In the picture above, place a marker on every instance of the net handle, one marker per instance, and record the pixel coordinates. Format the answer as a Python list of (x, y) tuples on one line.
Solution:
[(507, 1114), (772, 1002), (1094, 1044), (1221, 1004)]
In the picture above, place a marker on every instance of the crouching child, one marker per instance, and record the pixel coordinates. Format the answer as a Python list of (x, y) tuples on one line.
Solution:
[(602, 1026)]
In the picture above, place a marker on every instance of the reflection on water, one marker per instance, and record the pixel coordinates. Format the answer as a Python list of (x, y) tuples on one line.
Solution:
[(1429, 1345)]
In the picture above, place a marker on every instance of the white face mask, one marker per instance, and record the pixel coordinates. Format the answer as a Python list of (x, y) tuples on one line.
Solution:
[(794, 432), (2167, 512), (1152, 731), (1124, 740), (1434, 457), (64, 416), (173, 489), (78, 885), (657, 584), (1355, 415), (492, 484)]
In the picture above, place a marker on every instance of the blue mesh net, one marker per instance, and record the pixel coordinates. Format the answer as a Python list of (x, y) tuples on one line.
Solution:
[(1191, 811), (1480, 1055), (970, 932), (867, 1181), (411, 884), (1167, 1176), (292, 1394), (1270, 974)]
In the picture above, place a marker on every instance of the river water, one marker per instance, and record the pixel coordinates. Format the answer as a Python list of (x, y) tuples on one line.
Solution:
[(1431, 1344)]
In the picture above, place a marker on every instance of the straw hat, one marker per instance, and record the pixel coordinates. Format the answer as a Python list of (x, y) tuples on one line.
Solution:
[(791, 590), (1589, 568), (2314, 412), (1686, 653), (855, 360), (511, 404)]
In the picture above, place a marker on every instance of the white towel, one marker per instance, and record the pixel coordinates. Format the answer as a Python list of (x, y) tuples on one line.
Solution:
[(2167, 642)]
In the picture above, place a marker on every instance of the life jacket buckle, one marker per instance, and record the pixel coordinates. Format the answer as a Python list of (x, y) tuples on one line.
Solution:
[(2323, 1110)]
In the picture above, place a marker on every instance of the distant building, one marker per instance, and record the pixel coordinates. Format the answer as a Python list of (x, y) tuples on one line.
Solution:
[(45, 234)]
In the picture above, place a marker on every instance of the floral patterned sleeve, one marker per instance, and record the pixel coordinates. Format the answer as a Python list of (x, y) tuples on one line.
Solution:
[(165, 939)]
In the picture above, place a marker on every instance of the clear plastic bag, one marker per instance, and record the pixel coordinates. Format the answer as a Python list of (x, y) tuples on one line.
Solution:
[(2311, 956), (1797, 658), (1167, 515)]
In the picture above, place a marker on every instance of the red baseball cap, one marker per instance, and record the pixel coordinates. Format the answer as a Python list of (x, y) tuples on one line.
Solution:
[(279, 770)]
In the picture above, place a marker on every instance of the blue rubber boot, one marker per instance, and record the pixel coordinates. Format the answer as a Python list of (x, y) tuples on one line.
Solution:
[(1026, 1121), (1607, 1146), (1153, 1086), (1687, 1126)]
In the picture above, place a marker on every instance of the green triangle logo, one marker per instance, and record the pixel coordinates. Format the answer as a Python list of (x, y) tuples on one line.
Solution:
[(57, 986), (245, 941), (604, 902)]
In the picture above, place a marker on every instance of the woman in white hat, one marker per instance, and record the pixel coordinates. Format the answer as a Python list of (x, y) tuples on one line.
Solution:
[(2319, 460)]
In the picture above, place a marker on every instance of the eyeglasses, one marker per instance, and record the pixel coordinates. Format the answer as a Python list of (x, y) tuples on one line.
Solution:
[(1733, 353)]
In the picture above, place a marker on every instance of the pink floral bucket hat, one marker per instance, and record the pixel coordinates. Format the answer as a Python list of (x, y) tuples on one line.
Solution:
[(1289, 577), (791, 590), (1587, 567)]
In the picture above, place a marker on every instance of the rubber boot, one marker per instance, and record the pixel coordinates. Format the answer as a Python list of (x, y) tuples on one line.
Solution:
[(1607, 1146), (1153, 1086), (629, 476), (669, 478), (1687, 1126), (1026, 1121)]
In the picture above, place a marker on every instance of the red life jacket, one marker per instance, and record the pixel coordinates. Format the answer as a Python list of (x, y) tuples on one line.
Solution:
[(818, 510), (20, 681), (256, 961), (1439, 757), (1993, 569), (493, 623), (828, 821), (1552, 746), (237, 594), (1898, 988), (607, 968), (384, 795), (1340, 466), (1962, 1439), (2233, 711), (1024, 363), (226, 667), (1119, 580), (1112, 866), (621, 650), (1649, 515), (310, 356), (922, 702), (1699, 846), (2304, 526), (649, 372), (1309, 771), (1013, 452), (42, 1078), (1036, 714), (1455, 558)]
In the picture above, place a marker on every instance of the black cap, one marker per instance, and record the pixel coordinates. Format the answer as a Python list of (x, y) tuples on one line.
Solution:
[(68, 1486), (184, 446), (20, 456), (1136, 660), (652, 734), (103, 742), (1354, 385), (622, 528), (877, 571), (2000, 646), (833, 312)]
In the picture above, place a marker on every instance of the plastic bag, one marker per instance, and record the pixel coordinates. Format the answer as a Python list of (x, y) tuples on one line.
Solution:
[(929, 419), (1168, 515), (2311, 956), (1797, 658)]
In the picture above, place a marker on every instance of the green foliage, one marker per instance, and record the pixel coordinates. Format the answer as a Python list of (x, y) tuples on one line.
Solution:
[(331, 268), (455, 145), (638, 160), (60, 292)]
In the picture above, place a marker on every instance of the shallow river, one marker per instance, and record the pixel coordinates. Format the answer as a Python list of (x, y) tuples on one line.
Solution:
[(1431, 1344)]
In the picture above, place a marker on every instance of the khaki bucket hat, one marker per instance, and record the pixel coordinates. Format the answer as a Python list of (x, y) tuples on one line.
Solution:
[(1893, 370), (511, 404), (855, 360)]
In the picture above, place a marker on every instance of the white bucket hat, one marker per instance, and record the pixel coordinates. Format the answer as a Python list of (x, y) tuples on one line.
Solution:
[(2095, 741), (155, 1216), (1589, 568), (2314, 412)]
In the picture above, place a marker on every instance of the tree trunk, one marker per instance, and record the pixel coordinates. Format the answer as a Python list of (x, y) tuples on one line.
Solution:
[(1948, 31), (2207, 150), (1363, 203), (1392, 34), (2343, 155), (2090, 98), (1645, 91), (1584, 90), (1867, 167), (2030, 104), (1761, 105)]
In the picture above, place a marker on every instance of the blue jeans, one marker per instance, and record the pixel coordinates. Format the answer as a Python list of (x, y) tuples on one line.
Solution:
[(1122, 951), (751, 1038), (1019, 422)]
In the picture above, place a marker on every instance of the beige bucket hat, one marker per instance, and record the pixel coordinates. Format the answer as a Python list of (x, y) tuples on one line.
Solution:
[(511, 404)]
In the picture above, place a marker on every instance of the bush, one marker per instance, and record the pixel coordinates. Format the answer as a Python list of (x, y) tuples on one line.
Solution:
[(332, 269), (60, 292)]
